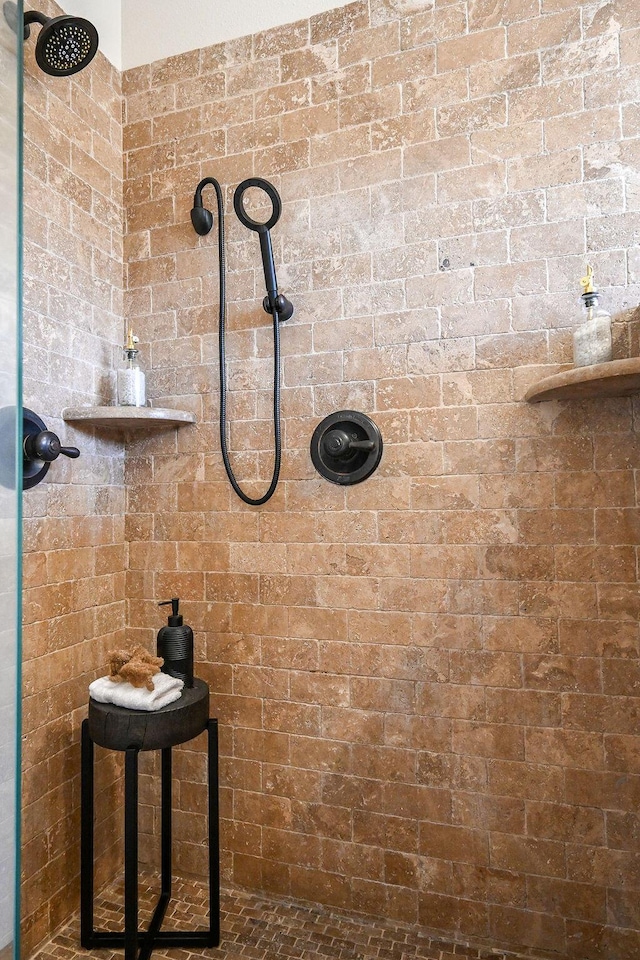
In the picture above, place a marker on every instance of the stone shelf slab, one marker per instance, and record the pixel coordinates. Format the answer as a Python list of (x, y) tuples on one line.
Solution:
[(128, 417), (616, 378)]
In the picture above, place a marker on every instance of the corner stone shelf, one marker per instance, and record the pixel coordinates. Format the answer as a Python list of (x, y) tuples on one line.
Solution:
[(616, 378), (126, 418)]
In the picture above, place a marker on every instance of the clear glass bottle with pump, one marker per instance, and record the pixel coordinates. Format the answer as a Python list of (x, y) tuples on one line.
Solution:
[(130, 377), (592, 338)]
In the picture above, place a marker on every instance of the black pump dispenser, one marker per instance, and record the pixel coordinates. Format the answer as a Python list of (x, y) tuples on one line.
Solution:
[(175, 620), (175, 645)]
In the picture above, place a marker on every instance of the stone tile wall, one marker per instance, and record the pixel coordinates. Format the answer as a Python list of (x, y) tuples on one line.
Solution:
[(75, 554), (427, 683)]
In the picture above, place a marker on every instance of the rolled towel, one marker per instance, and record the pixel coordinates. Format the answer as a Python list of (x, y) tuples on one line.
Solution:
[(166, 689)]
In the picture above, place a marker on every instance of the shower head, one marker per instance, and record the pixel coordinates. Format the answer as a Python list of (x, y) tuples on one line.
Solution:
[(65, 45)]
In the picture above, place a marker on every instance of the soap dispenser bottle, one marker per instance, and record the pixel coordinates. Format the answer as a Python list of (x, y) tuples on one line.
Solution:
[(130, 377), (175, 645), (592, 339)]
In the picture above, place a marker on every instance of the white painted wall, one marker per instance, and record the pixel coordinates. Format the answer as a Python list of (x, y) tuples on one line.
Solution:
[(107, 18), (133, 32), (154, 29)]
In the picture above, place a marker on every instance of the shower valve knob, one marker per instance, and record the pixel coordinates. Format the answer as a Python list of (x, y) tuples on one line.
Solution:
[(346, 447), (40, 447), (46, 446), (338, 443)]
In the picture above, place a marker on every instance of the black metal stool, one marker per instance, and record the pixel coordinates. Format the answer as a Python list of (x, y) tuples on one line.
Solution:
[(132, 731)]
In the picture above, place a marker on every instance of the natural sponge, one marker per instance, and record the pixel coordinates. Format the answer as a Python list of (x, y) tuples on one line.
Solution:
[(136, 666)]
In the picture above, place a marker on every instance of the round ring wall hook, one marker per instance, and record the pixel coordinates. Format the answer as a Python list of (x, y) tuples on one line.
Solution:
[(346, 447), (241, 213)]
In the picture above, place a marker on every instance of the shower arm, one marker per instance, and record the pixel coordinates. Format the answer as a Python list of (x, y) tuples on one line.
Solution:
[(34, 16), (10, 11)]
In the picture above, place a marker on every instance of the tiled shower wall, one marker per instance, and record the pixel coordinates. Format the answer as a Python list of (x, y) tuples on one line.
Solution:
[(75, 555), (427, 683)]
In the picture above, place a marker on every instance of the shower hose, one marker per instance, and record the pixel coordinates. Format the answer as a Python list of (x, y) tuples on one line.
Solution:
[(254, 502)]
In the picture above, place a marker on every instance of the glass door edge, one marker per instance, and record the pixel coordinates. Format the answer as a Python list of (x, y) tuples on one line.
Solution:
[(18, 480)]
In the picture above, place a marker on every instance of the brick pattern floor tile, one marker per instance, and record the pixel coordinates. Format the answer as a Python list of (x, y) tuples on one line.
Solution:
[(260, 928)]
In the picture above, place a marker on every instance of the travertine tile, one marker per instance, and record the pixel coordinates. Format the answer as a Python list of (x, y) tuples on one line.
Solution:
[(74, 250), (426, 683)]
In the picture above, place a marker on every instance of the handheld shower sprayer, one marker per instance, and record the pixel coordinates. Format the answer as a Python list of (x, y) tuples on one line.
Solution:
[(274, 304), (202, 220), (273, 300)]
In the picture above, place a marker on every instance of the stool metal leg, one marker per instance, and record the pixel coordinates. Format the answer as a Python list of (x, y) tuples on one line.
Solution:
[(149, 939), (214, 834), (165, 823), (131, 854), (86, 838)]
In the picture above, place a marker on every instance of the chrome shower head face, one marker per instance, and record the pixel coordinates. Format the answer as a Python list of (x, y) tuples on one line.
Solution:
[(66, 45)]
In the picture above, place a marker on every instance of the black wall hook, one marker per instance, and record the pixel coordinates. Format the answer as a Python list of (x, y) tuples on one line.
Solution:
[(201, 217)]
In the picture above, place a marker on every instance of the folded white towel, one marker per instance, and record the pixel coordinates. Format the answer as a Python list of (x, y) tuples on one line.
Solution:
[(166, 689)]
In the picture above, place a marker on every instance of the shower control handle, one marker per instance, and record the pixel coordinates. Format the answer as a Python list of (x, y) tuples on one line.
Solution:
[(346, 447), (45, 446), (40, 447), (338, 443), (72, 452)]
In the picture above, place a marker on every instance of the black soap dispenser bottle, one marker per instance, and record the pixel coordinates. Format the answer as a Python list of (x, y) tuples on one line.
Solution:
[(175, 645)]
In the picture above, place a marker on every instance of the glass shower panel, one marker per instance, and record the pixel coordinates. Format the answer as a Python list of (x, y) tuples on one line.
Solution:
[(10, 479)]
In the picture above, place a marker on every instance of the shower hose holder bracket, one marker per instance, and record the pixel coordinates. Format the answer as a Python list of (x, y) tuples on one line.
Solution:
[(282, 306)]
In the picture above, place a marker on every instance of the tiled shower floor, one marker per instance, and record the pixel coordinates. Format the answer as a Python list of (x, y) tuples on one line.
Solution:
[(260, 928)]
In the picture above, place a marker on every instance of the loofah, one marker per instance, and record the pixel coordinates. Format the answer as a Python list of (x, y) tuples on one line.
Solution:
[(136, 667)]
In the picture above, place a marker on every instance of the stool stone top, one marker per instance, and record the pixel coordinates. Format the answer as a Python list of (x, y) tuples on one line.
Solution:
[(118, 728)]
